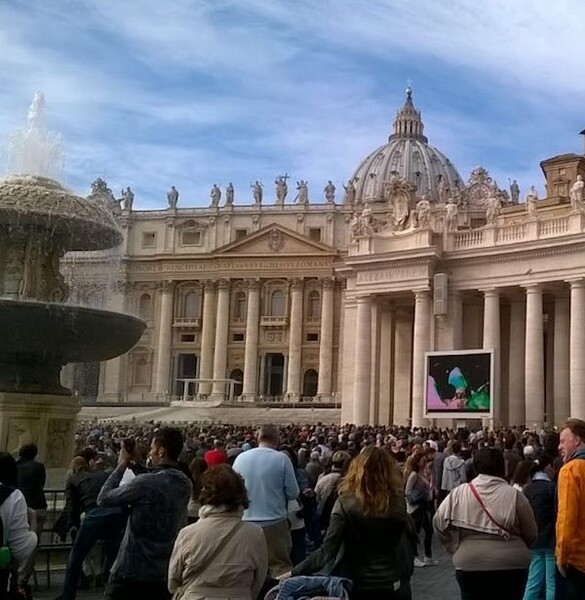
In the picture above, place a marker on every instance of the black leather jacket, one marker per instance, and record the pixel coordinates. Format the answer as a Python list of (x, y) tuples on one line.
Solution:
[(374, 552)]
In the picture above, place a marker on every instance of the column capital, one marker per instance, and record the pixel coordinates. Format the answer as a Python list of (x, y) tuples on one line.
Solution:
[(327, 282), (208, 285), (422, 295), (296, 284), (252, 284), (364, 299), (223, 284), (492, 292), (532, 288), (576, 283), (166, 285)]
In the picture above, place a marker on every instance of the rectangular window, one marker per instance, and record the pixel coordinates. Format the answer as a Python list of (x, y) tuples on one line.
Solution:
[(238, 337), (187, 337), (315, 233), (240, 234), (312, 337), (149, 239), (191, 238)]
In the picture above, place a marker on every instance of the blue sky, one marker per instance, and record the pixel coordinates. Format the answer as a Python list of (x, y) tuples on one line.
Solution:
[(191, 93)]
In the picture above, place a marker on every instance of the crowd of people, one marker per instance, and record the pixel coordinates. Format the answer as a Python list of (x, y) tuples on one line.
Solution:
[(191, 511)]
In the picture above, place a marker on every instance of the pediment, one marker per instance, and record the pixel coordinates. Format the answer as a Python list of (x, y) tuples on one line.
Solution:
[(276, 239)]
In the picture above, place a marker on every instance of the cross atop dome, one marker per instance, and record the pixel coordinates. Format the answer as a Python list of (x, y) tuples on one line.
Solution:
[(408, 123)]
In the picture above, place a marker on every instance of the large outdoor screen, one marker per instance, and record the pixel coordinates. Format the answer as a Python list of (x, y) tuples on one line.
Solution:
[(459, 382)]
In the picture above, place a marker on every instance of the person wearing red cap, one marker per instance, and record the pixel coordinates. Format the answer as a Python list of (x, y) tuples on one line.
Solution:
[(217, 456)]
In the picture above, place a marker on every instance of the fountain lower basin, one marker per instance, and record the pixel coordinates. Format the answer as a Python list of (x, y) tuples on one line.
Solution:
[(38, 338)]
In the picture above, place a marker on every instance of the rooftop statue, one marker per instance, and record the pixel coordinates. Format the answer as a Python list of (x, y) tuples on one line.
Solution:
[(229, 194), (493, 209), (303, 192), (215, 195), (423, 213), (329, 192), (349, 192), (173, 197), (281, 188), (531, 199), (514, 192), (257, 192), (127, 198), (451, 217), (576, 194)]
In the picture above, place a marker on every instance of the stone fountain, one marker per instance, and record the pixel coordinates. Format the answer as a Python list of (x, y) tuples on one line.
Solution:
[(39, 332)]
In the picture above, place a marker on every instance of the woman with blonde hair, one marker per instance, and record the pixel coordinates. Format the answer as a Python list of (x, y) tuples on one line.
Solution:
[(368, 539)]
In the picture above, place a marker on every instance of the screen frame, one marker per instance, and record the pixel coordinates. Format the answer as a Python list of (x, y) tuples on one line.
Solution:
[(466, 415)]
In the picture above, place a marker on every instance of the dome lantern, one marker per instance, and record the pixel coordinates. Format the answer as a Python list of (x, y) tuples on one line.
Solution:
[(408, 123)]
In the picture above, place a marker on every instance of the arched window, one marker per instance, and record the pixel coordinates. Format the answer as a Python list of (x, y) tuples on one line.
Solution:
[(310, 381), (277, 304), (313, 305), (141, 371), (238, 375), (191, 305), (145, 306), (240, 306)]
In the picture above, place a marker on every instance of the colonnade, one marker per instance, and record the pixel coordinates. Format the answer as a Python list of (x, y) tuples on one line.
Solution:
[(215, 329), (519, 396)]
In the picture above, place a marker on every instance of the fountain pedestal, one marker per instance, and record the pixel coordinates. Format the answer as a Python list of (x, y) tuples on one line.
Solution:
[(47, 420)]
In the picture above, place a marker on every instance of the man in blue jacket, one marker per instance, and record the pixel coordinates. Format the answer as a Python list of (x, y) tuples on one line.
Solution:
[(158, 509)]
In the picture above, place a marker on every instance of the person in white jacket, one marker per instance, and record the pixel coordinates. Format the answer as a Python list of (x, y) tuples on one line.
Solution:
[(453, 469), (14, 513)]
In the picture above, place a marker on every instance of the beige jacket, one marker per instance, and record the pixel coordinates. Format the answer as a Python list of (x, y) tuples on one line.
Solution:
[(239, 568)]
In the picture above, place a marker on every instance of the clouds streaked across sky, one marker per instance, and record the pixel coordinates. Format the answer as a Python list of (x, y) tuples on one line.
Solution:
[(190, 93)]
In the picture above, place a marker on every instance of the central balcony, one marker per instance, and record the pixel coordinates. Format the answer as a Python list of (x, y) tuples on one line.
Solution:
[(274, 321)]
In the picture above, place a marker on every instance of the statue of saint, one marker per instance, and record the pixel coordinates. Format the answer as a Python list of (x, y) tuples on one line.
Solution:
[(257, 192), (576, 193), (303, 192), (173, 197), (451, 216), (367, 221), (423, 213), (493, 210), (329, 192), (281, 188), (229, 194), (514, 192), (531, 200), (443, 189), (349, 192), (355, 226), (215, 195), (127, 198)]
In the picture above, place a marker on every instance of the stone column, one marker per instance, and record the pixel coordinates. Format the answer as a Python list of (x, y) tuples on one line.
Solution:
[(326, 340), (577, 349), (491, 340), (295, 338), (363, 361), (163, 357), (250, 386), (222, 322), (561, 361), (534, 367), (517, 362), (420, 344), (207, 337)]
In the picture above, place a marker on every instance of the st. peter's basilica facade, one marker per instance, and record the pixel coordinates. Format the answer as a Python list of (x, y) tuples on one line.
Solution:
[(337, 298)]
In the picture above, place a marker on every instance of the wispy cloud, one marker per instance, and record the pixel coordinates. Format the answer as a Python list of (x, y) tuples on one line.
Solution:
[(150, 94)]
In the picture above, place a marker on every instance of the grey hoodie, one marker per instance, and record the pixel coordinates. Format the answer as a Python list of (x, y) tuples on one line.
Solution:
[(453, 472)]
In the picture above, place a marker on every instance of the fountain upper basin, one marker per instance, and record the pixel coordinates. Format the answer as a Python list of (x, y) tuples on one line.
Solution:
[(32, 201)]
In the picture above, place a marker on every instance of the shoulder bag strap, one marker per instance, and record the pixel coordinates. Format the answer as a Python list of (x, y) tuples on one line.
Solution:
[(485, 510)]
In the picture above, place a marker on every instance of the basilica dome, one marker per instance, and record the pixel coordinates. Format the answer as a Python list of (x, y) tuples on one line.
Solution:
[(408, 156)]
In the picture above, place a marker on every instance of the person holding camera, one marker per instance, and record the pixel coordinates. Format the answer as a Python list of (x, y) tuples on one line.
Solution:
[(157, 502)]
